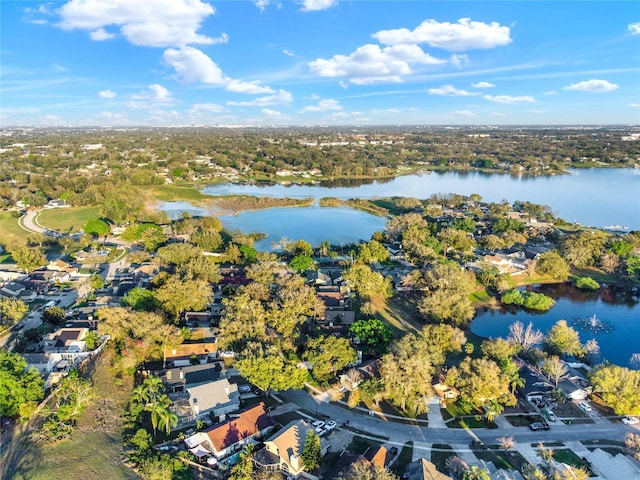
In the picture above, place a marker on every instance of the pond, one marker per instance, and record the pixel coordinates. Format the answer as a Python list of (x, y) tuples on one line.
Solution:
[(616, 309)]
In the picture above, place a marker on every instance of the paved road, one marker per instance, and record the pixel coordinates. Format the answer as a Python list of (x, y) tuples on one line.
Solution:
[(28, 222), (400, 433)]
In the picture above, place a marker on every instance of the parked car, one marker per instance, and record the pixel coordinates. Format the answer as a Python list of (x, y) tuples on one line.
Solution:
[(584, 406), (539, 426), (330, 425), (549, 414), (318, 425), (244, 388), (629, 420)]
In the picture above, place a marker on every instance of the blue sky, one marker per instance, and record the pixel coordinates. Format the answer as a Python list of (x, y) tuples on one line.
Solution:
[(319, 62)]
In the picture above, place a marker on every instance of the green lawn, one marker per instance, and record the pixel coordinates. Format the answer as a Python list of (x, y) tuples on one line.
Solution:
[(10, 231), (67, 219), (400, 312), (404, 459), (172, 193), (508, 460), (565, 455), (439, 458)]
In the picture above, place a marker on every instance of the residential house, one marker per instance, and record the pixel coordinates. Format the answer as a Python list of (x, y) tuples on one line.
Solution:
[(177, 379), (61, 266), (377, 456), (229, 437), (282, 451), (13, 289), (201, 402), (317, 278), (9, 273), (186, 353), (445, 392), (66, 340), (610, 467), (422, 469)]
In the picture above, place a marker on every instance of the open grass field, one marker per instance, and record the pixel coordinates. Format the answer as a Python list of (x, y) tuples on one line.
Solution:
[(67, 219), (93, 452), (400, 312), (10, 232), (172, 193)]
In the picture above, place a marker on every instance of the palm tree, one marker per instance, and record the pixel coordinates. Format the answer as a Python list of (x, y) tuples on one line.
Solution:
[(153, 386), (161, 415), (140, 395)]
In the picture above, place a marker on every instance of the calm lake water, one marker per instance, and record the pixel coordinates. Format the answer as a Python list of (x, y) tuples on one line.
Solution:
[(616, 308), (594, 197)]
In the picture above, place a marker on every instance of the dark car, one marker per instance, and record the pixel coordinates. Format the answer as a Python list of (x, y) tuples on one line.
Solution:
[(539, 426)]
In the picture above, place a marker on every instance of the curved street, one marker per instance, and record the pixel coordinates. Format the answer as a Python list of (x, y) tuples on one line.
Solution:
[(400, 433)]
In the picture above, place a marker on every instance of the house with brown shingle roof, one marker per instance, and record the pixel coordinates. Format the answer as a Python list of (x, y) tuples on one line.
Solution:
[(376, 456), (423, 469), (63, 340), (233, 435)]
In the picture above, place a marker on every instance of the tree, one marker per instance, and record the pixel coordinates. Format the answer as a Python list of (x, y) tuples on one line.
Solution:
[(140, 299), (178, 253), (327, 355), (563, 340), (456, 465), (161, 416), (373, 333), (28, 258), (301, 263), (243, 470), (481, 383), (312, 451), (506, 443), (96, 227), (366, 282), (555, 369), (619, 388), (366, 471), (552, 264), (269, 371), (177, 296), (372, 252), (200, 268), (18, 386), (525, 338), (587, 283), (447, 297), (499, 349), (476, 473), (632, 442), (53, 315), (12, 310)]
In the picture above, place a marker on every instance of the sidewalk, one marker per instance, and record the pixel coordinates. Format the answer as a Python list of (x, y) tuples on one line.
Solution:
[(435, 414)]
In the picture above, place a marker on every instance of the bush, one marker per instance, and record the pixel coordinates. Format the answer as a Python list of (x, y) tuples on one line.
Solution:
[(587, 283)]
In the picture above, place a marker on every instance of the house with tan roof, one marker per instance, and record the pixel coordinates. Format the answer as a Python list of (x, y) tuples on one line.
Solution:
[(66, 340), (233, 435), (180, 355), (422, 469), (282, 451)]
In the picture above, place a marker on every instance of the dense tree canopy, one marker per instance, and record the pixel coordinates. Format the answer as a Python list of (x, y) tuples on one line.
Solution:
[(619, 387), (19, 387)]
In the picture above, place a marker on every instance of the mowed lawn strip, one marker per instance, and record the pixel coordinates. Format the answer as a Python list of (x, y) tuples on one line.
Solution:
[(70, 219)]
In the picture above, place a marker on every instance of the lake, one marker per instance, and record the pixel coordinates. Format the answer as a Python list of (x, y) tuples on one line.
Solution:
[(616, 307), (593, 197)]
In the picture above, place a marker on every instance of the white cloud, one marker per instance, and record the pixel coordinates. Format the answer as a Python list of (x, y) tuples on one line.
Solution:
[(550, 92), (593, 86), (315, 5), (323, 106), (633, 105), (508, 99), (155, 93), (343, 84), (281, 98), (205, 108), (371, 64), (459, 59), (456, 37), (386, 111), (451, 91), (100, 35), (59, 68), (288, 53), (270, 113), (482, 85), (634, 28), (193, 65), (261, 4), (150, 23), (464, 113), (253, 88), (107, 94)]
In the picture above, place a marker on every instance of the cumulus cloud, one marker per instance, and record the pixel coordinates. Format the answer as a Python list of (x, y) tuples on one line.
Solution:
[(288, 53), (593, 86), (261, 4), (100, 35), (323, 106), (451, 91), (464, 113), (107, 94), (281, 98), (459, 59), (634, 28), (482, 85), (155, 93), (198, 109), (193, 65), (372, 64), (270, 112), (508, 99), (315, 5), (254, 87), (464, 35), (152, 23)]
